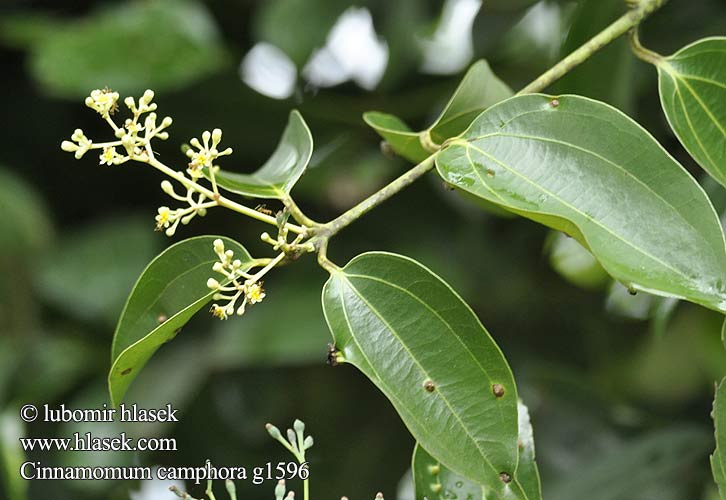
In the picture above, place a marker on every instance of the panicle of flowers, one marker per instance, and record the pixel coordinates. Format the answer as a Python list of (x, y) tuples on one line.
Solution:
[(205, 153), (129, 138), (240, 288)]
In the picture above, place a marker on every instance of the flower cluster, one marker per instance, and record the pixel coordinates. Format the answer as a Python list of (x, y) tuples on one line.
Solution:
[(80, 144), (134, 145), (168, 219), (206, 153), (240, 286)]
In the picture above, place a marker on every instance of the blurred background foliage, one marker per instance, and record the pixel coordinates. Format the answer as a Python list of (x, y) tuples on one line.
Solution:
[(619, 386)]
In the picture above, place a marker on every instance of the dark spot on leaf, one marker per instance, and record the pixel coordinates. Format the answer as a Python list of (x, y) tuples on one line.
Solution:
[(498, 390), (177, 331), (554, 103), (632, 291), (429, 385), (505, 477), (490, 172), (126, 371)]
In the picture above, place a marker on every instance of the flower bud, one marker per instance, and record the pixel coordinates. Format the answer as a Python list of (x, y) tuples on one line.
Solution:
[(299, 426), (68, 146), (218, 245), (213, 284), (273, 431), (167, 187)]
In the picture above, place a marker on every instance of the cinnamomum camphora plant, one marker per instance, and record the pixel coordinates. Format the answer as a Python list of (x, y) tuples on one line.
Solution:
[(569, 162)]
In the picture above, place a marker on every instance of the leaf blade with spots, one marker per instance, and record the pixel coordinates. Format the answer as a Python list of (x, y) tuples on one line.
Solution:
[(585, 168), (167, 294), (281, 171), (424, 348), (692, 86)]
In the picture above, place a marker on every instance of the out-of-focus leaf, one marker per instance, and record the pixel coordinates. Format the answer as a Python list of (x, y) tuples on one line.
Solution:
[(567, 163), (527, 473), (627, 303), (651, 465), (90, 272), (479, 89), (571, 261), (159, 44), (428, 353), (692, 84), (24, 29), (25, 227), (718, 460), (12, 455), (608, 74), (167, 294), (279, 174)]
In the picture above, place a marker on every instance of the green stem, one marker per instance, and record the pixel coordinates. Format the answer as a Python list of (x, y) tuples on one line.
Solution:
[(221, 200), (641, 52), (628, 21)]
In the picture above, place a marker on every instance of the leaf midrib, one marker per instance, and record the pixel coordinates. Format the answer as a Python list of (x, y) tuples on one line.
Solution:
[(415, 360)]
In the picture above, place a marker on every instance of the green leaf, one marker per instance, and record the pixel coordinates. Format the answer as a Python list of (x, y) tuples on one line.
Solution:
[(479, 89), (172, 288), (718, 461), (585, 168), (692, 84), (424, 348), (279, 174), (404, 141), (433, 481), (159, 44)]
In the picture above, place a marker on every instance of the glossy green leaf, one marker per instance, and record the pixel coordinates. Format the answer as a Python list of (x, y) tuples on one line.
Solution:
[(424, 348), (584, 168), (281, 171), (131, 46), (171, 289), (433, 481), (692, 84), (479, 89), (404, 141), (718, 460)]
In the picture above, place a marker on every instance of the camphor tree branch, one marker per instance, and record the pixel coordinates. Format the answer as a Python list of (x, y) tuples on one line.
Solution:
[(134, 138)]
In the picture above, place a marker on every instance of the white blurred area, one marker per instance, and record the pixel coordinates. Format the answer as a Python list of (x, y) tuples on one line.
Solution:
[(269, 71), (450, 49), (352, 51)]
